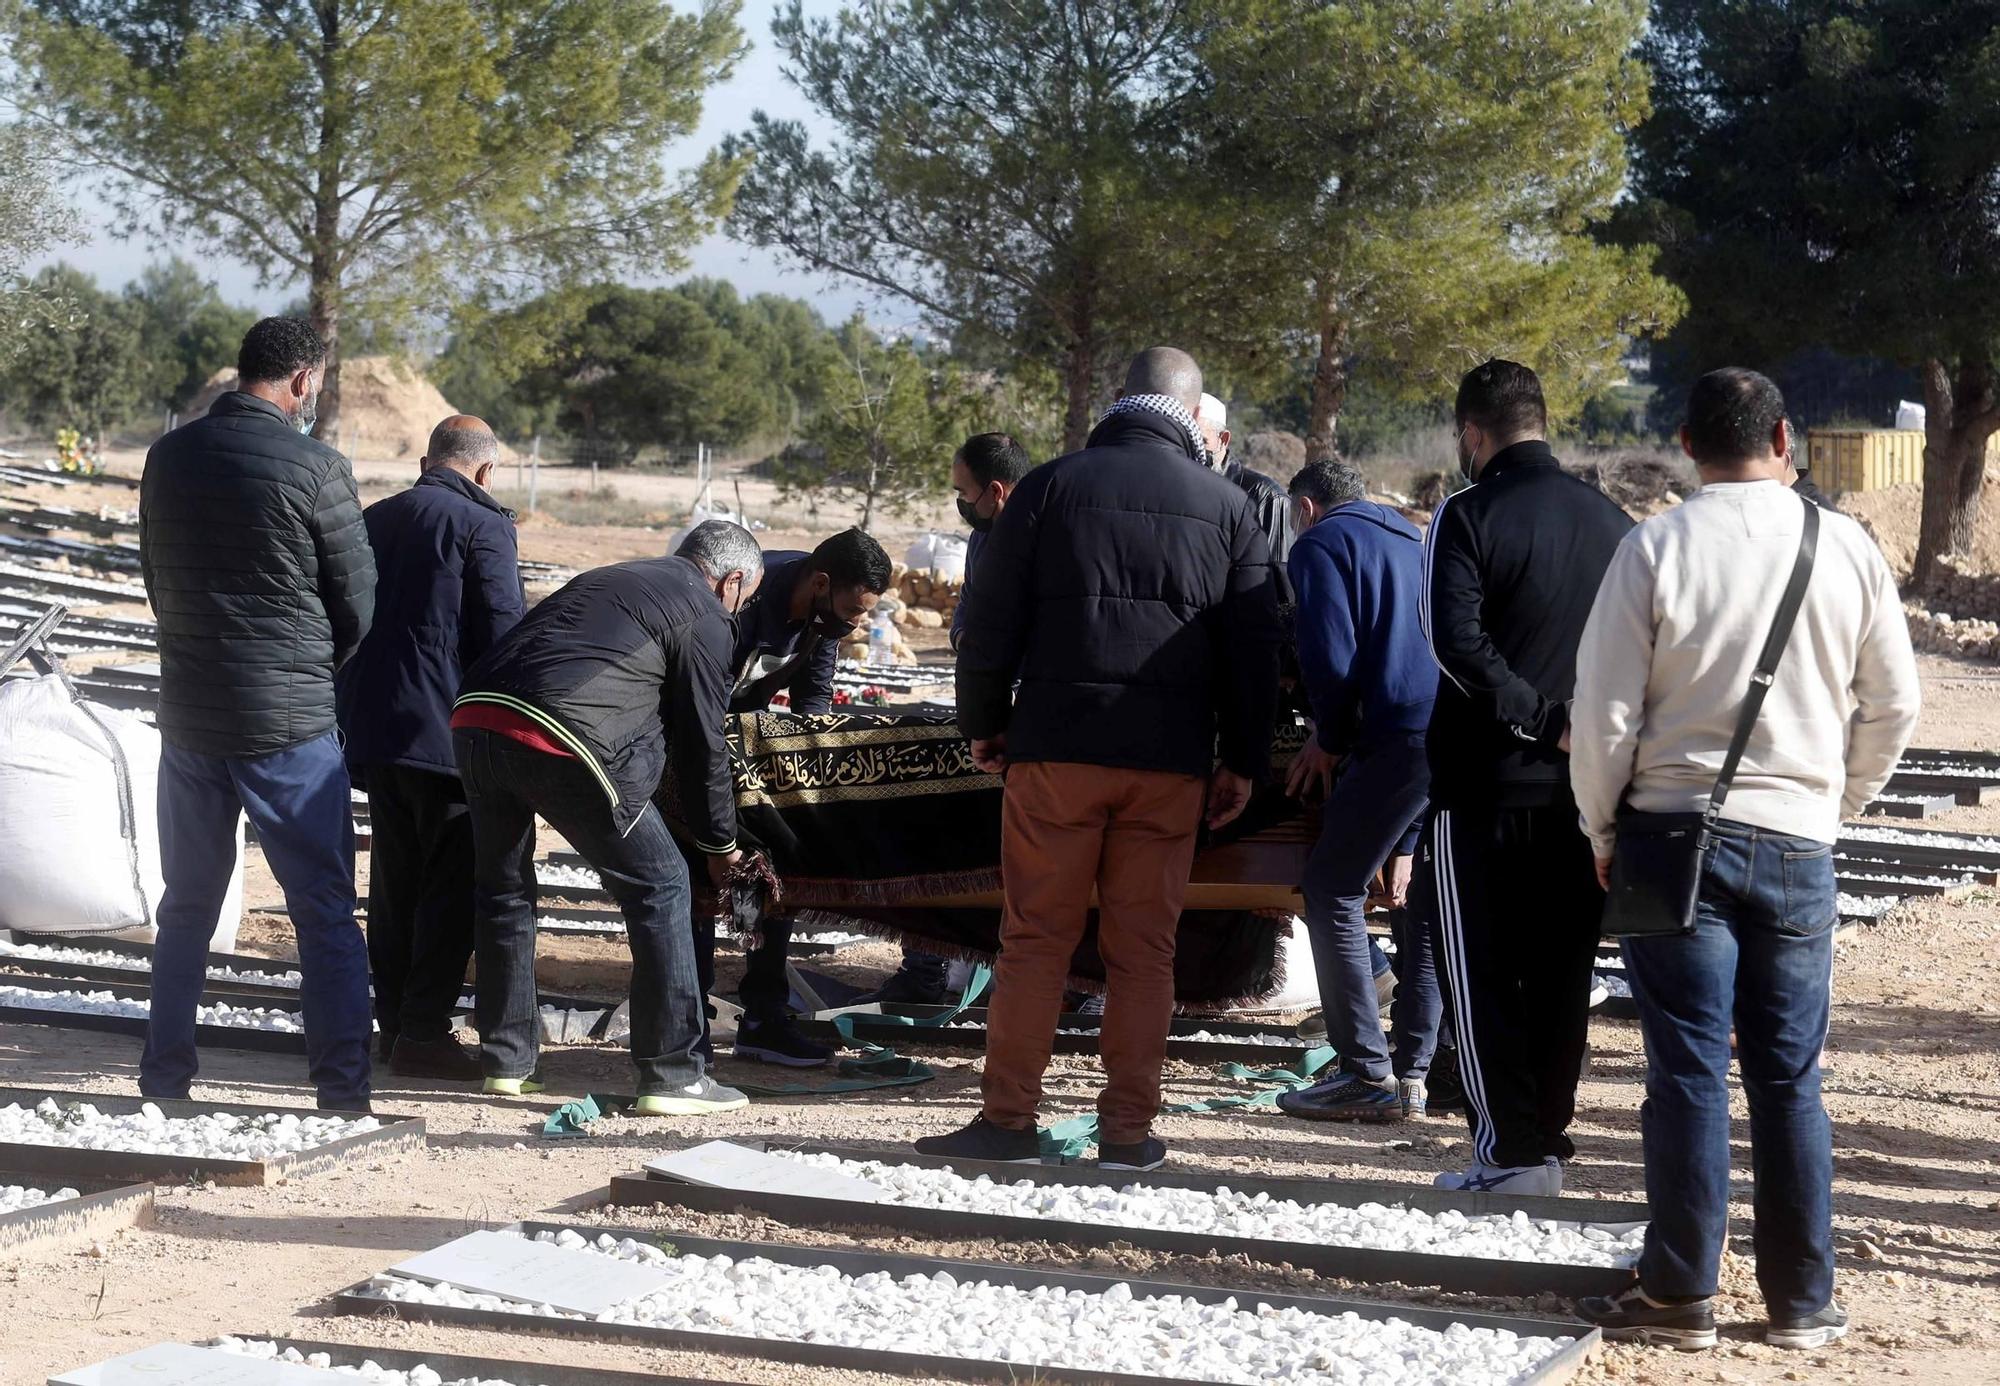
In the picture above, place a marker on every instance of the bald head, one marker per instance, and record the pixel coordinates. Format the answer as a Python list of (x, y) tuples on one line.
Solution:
[(464, 444), (1165, 371)]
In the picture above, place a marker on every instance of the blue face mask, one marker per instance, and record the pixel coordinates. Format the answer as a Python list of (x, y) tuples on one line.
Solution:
[(308, 414)]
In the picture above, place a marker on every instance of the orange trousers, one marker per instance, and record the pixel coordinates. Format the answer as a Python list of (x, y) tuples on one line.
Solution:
[(1065, 828)]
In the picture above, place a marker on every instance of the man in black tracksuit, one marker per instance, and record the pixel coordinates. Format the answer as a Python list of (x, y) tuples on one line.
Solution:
[(1512, 565)]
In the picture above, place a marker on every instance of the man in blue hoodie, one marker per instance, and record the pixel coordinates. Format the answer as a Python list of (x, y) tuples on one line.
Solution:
[(1358, 570)]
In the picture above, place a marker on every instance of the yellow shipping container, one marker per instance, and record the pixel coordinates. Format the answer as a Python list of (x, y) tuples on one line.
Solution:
[(1869, 459)]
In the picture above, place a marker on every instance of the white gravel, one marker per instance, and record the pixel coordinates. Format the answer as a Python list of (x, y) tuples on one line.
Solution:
[(1894, 878), (1225, 1212), (16, 1198), (1198, 1036), (126, 962), (1854, 832), (369, 1370), (148, 1131), (1169, 1337), (105, 1003), (572, 877), (1865, 906), (1614, 983)]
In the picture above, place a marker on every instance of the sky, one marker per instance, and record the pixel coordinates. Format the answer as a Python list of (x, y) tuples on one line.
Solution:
[(757, 84)]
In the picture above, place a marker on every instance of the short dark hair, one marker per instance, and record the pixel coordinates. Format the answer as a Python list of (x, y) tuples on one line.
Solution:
[(992, 457), (1330, 483), (1503, 398), (278, 349), (1731, 416), (852, 559)]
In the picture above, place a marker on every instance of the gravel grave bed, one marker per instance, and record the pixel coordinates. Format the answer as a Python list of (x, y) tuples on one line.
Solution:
[(149, 1131), (574, 877), (1226, 1212), (1114, 1331), (368, 1370), (1197, 1037), (126, 962), (105, 1003), (1855, 833), (18, 1198), (1866, 906), (1965, 878)]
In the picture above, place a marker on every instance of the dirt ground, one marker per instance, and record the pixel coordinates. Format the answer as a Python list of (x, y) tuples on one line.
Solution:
[(1913, 1085)]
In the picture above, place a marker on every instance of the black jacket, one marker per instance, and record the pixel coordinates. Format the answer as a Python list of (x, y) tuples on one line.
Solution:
[(1270, 503), (1511, 567), (258, 568), (616, 664), (1135, 597), (806, 661), (448, 586)]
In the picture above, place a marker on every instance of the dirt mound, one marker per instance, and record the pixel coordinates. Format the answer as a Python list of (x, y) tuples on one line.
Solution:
[(1275, 454), (1894, 515), (387, 407)]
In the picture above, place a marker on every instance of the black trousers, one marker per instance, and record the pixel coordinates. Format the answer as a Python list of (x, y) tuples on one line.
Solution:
[(1517, 909), (764, 992), (419, 898)]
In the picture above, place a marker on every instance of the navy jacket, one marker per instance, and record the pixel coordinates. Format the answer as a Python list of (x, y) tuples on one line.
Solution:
[(447, 587), (616, 665), (765, 629), (255, 560), (974, 543), (1359, 574), (1134, 596), (1512, 566)]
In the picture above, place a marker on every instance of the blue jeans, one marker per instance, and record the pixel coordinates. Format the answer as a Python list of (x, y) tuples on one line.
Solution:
[(298, 801), (506, 785), (1379, 792), (1761, 956)]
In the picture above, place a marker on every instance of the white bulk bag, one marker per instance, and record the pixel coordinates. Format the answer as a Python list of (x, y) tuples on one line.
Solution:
[(942, 554), (1910, 415), (79, 832)]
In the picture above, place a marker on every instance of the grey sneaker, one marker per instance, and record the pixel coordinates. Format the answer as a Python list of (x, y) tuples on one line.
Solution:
[(699, 1098), (1829, 1325), (1415, 1098), (1313, 1028)]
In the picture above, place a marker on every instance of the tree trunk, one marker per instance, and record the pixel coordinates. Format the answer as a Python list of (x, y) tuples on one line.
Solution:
[(1079, 374), (323, 277), (1329, 384), (1961, 411)]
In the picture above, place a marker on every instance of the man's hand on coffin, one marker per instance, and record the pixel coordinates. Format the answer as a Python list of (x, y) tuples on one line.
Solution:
[(720, 864), (1228, 795), (1311, 773), (990, 754)]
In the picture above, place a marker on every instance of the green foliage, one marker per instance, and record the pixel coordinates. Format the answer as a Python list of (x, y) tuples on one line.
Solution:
[(1018, 169), (1415, 185), (187, 331), (31, 220), (887, 429), (391, 154), (1822, 174), (88, 369), (632, 368)]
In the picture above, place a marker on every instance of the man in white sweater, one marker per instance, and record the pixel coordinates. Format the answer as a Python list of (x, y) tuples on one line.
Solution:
[(1666, 659)]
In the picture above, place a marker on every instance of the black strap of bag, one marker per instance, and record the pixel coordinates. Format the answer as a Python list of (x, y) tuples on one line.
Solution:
[(1657, 865)]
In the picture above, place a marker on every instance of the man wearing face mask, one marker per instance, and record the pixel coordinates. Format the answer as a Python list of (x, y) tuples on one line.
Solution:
[(571, 717), (1268, 500), (983, 474), (1512, 565), (259, 572), (789, 638)]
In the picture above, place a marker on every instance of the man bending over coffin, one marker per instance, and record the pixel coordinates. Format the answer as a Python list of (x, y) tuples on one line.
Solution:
[(788, 638), (1134, 598), (570, 717)]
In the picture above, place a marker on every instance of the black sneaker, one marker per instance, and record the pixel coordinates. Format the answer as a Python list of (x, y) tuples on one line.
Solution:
[(1829, 1325), (1344, 1097), (346, 1106), (439, 1058), (911, 986), (1150, 1153), (980, 1139), (1633, 1316), (1444, 1090), (778, 1042)]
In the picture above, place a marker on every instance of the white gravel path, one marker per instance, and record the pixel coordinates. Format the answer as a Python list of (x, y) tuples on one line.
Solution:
[(1855, 832), (15, 1198), (126, 962), (105, 1003), (1171, 1337), (149, 1131), (1226, 1212)]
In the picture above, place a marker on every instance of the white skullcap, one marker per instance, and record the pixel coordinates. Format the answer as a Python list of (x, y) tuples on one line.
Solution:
[(1212, 411)]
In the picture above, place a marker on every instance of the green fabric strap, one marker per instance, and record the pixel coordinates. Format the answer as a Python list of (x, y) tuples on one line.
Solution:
[(1067, 1141), (975, 987)]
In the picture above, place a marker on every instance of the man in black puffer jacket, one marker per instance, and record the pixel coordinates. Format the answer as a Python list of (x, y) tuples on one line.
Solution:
[(1131, 591), (260, 576)]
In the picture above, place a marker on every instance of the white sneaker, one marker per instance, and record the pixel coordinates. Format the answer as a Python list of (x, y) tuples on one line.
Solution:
[(1415, 1097), (1542, 1181)]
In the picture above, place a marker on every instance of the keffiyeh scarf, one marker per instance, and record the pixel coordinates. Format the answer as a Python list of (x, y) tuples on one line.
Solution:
[(1173, 409)]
